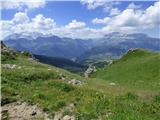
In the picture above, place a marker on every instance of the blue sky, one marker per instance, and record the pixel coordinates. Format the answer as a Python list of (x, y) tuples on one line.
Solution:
[(64, 12)]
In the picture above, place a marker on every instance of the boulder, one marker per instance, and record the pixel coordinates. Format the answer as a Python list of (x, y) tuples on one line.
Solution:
[(62, 77), (75, 82), (112, 83), (67, 117)]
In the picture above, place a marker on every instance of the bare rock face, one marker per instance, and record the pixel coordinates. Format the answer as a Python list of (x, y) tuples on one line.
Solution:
[(5, 49)]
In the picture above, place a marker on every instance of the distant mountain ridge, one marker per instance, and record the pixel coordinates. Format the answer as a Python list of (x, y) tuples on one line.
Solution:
[(110, 46), (114, 45), (53, 46)]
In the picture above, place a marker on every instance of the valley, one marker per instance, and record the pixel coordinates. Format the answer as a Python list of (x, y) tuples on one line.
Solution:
[(80, 59), (131, 93)]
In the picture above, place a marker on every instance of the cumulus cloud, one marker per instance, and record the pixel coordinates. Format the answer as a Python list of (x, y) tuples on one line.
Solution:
[(134, 6), (20, 18), (151, 15), (21, 24), (131, 20), (114, 11), (18, 4), (92, 4), (101, 21), (108, 6), (128, 21), (40, 22), (75, 25)]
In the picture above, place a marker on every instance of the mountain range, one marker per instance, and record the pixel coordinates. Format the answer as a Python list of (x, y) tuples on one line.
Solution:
[(111, 46)]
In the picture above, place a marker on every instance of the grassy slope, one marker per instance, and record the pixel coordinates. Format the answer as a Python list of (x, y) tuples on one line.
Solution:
[(138, 68), (95, 99), (62, 63)]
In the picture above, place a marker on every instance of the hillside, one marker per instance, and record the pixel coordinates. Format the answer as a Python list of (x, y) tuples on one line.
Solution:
[(62, 95), (61, 63), (110, 46), (138, 68)]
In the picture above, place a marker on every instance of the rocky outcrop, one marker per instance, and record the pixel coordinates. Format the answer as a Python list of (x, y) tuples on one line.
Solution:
[(90, 70), (5, 49), (21, 111)]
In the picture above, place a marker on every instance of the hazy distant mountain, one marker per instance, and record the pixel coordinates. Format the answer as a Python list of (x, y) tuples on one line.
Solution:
[(110, 46), (114, 45), (53, 46)]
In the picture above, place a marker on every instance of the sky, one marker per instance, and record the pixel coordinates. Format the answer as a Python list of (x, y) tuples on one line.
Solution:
[(80, 18)]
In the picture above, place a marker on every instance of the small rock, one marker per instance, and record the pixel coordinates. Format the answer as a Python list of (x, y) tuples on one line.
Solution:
[(4, 114), (33, 113), (19, 103), (67, 117), (62, 77), (5, 101), (4, 111), (112, 83), (75, 82), (19, 67), (58, 116)]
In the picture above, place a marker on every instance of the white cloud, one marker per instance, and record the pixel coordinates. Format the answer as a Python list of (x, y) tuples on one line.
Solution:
[(114, 11), (19, 4), (92, 4), (20, 18), (46, 26), (128, 21), (108, 6), (151, 15), (5, 28), (75, 25), (131, 20), (134, 6), (127, 18), (21, 23), (40, 22), (101, 21)]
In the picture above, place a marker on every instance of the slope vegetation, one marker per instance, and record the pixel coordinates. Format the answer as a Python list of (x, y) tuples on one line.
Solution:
[(138, 68), (61, 63), (48, 87)]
